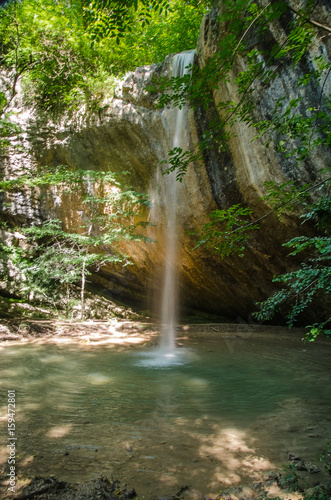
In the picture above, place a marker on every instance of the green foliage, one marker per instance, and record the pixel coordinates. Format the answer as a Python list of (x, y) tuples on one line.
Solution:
[(106, 18), (44, 43), (230, 238), (307, 130), (312, 279), (285, 197), (326, 457), (164, 33), (289, 480), (48, 46), (302, 286), (51, 259), (320, 214), (318, 496), (69, 179), (7, 128), (178, 161), (56, 260), (228, 230), (267, 497), (67, 57), (293, 129)]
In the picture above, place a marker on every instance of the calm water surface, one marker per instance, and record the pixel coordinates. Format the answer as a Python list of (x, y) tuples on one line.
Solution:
[(83, 411)]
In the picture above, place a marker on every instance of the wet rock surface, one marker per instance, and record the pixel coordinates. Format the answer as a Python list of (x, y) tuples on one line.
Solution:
[(157, 451), (129, 135), (50, 488)]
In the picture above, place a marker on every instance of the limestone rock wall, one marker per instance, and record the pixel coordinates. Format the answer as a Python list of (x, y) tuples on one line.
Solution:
[(239, 174), (129, 135)]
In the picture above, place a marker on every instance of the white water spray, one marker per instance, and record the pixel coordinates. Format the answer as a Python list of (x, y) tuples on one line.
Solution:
[(167, 192), (180, 67)]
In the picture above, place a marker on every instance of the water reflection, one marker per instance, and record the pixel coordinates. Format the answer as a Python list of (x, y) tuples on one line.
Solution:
[(165, 358), (202, 413)]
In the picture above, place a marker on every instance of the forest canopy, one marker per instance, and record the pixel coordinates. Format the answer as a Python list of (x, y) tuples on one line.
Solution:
[(67, 55)]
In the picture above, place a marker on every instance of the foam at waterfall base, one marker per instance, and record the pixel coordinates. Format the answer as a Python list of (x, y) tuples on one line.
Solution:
[(165, 358)]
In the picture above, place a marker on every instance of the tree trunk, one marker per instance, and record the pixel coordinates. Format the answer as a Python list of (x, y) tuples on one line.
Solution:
[(82, 296), (82, 291), (67, 302)]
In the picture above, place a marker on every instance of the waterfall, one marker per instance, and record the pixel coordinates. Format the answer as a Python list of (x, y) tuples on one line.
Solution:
[(176, 117), (166, 194)]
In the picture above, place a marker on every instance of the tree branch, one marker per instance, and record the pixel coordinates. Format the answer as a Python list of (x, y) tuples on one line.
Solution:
[(278, 207), (311, 21), (244, 34)]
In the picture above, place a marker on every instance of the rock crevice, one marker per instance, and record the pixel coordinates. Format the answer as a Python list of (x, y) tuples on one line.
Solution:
[(129, 135)]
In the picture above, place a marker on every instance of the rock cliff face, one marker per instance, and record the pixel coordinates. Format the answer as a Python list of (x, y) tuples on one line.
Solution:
[(131, 134), (239, 174)]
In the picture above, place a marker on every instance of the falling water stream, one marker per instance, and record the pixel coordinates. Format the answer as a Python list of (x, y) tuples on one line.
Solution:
[(235, 408), (180, 66), (174, 120)]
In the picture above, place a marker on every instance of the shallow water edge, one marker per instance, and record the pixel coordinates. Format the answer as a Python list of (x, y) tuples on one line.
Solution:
[(222, 415)]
